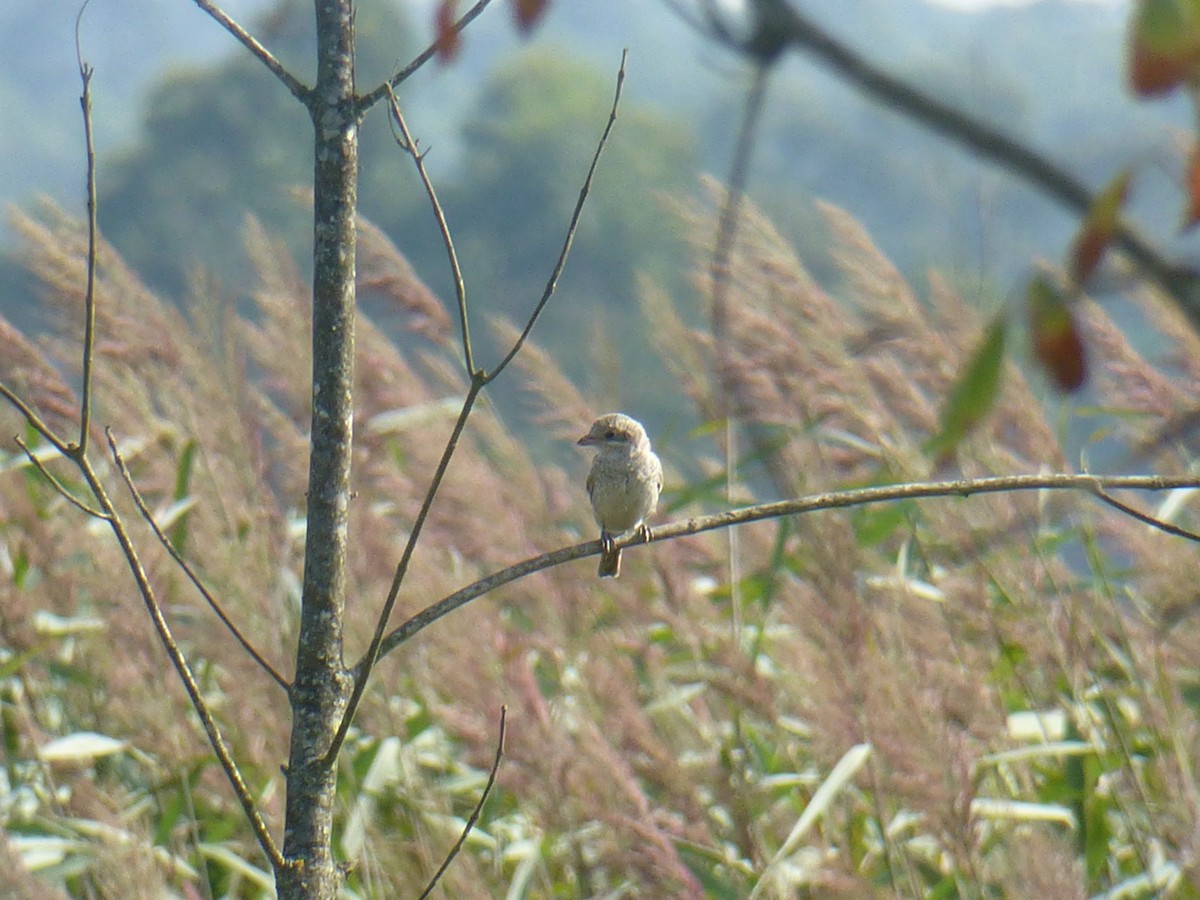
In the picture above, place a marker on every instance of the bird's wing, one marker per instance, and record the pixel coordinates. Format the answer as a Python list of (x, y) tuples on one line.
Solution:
[(591, 481)]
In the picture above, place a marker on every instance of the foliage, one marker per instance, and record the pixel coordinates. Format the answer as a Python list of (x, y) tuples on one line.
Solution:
[(993, 696)]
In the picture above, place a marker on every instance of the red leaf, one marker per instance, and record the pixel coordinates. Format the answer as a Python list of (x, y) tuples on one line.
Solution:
[(1055, 335), (447, 40), (1098, 228), (528, 12), (1164, 45)]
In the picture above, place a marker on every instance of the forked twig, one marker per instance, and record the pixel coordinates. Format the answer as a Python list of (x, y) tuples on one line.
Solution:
[(406, 143), (475, 813), (964, 488), (374, 96), (148, 516), (479, 380)]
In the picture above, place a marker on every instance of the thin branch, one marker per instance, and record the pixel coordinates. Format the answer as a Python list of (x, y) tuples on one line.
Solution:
[(1148, 519), (89, 303), (552, 283), (127, 477), (179, 661), (409, 146), (834, 500), (487, 789), (297, 88), (362, 671), (58, 485), (34, 420), (370, 99)]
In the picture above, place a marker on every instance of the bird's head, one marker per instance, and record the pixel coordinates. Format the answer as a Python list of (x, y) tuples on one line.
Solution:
[(613, 430)]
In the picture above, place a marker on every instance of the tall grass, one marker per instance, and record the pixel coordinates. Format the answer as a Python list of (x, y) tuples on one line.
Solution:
[(953, 698)]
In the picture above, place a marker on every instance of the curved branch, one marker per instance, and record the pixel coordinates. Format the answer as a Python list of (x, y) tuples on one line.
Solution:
[(297, 88), (1092, 484)]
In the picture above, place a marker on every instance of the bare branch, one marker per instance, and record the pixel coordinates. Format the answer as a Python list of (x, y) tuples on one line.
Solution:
[(89, 303), (362, 671), (409, 146), (34, 420), (58, 485), (247, 40), (189, 571), (1093, 484), (487, 789), (370, 99), (1148, 519), (552, 283), (178, 660)]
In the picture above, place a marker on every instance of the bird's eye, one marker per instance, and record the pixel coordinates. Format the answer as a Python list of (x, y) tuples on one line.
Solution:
[(609, 435)]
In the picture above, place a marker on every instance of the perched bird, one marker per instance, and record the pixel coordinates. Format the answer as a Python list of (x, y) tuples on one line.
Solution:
[(624, 483)]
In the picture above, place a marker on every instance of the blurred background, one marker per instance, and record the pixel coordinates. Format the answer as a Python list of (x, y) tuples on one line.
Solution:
[(193, 137)]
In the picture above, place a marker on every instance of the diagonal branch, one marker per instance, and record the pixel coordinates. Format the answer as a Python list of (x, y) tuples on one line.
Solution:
[(1097, 485), (58, 485), (409, 146), (370, 99), (552, 283), (190, 572), (1146, 518), (297, 88), (474, 817), (362, 671), (178, 660)]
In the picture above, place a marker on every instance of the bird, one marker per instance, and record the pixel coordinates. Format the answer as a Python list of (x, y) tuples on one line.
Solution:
[(624, 483)]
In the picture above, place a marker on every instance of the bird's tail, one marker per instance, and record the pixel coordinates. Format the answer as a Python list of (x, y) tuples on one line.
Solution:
[(610, 563)]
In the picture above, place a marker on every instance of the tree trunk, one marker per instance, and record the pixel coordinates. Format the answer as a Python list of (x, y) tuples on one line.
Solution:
[(321, 686)]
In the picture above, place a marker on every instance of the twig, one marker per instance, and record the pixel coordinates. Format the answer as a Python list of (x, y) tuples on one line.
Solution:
[(409, 146), (298, 90), (487, 789), (835, 500), (34, 420), (58, 485), (89, 303), (127, 477), (374, 96), (552, 283), (1145, 517), (179, 661)]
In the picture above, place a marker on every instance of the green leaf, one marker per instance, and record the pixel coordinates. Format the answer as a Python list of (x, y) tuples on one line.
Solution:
[(974, 393)]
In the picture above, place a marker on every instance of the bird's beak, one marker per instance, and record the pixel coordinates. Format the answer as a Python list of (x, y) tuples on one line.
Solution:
[(586, 441)]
